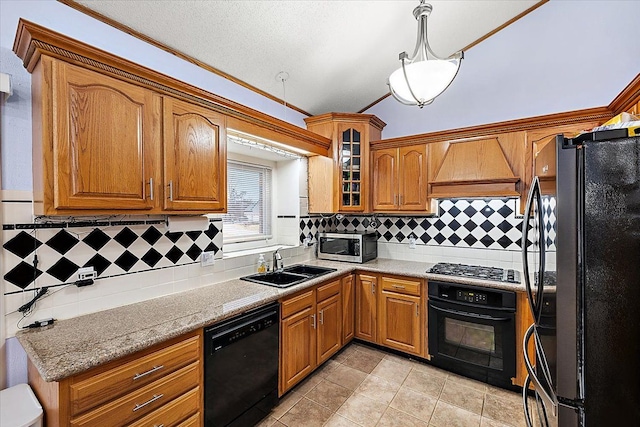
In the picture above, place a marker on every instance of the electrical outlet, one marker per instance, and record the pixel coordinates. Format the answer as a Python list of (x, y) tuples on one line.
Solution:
[(412, 242), (206, 259), (87, 273)]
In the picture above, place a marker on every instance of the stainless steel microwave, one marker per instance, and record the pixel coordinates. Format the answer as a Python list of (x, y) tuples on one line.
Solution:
[(354, 246)]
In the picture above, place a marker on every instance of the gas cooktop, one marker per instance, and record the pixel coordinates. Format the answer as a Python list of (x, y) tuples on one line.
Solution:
[(476, 271)]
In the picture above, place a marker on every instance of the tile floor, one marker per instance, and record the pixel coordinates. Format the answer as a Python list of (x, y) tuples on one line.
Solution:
[(363, 386)]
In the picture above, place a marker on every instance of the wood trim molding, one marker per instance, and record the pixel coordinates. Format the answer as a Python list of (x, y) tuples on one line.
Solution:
[(472, 44), (599, 114), (126, 29), (346, 117), (33, 40), (629, 96)]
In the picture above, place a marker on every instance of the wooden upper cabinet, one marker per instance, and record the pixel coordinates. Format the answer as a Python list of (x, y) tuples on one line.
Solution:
[(385, 179), (477, 167), (412, 178), (347, 173), (102, 150), (400, 179), (194, 158)]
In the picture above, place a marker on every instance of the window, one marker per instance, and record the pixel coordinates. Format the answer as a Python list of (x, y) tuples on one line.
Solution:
[(248, 214)]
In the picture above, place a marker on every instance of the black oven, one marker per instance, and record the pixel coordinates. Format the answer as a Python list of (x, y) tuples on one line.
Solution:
[(472, 331)]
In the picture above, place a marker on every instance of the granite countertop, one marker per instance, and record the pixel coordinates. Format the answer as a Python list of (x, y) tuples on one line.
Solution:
[(75, 345)]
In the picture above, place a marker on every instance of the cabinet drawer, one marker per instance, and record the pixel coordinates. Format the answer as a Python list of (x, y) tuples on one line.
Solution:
[(411, 287), (142, 401), (295, 304), (192, 421), (115, 382), (328, 290), (173, 412)]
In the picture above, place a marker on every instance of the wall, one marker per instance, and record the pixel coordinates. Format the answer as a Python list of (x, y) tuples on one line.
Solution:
[(16, 148), (117, 285), (485, 232), (564, 56)]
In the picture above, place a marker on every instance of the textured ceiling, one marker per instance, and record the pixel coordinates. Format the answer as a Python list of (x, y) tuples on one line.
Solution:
[(338, 53)]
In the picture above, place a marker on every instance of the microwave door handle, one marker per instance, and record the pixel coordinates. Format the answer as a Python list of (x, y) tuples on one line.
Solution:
[(474, 315), (523, 244)]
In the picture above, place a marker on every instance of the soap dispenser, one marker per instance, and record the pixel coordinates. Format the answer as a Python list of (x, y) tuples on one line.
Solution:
[(262, 264)]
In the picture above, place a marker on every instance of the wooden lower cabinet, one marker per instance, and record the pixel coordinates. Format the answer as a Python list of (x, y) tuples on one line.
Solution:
[(366, 307), (400, 315), (310, 331), (298, 337), (348, 309), (329, 327), (158, 386)]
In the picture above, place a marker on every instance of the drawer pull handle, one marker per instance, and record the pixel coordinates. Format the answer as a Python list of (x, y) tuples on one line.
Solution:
[(398, 286), (150, 371), (313, 319), (156, 425), (148, 402)]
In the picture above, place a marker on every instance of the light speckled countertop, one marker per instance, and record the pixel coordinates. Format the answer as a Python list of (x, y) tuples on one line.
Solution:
[(75, 345)]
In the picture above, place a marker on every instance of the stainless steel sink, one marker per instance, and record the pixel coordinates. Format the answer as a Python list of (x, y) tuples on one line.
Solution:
[(290, 276), (309, 270)]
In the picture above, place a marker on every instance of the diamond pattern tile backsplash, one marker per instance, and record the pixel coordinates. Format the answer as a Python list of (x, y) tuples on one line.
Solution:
[(470, 223), (112, 249)]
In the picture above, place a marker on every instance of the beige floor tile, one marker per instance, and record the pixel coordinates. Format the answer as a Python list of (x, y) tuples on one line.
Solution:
[(307, 385), (371, 350), (306, 413), (391, 371), (285, 404), (346, 377), (267, 422), (504, 410), (339, 421), (329, 395), (378, 389), (513, 396), (446, 415), (363, 361), (328, 367), (429, 369), (463, 397), (488, 422), (468, 382), (362, 410), (425, 383), (394, 418), (415, 403)]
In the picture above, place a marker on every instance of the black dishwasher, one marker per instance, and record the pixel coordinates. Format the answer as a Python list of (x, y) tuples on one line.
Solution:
[(241, 368)]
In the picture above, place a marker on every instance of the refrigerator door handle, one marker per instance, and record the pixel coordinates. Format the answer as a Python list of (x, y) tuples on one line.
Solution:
[(531, 370), (525, 255)]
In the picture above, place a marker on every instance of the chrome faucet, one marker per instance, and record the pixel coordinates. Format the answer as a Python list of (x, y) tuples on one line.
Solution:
[(278, 264)]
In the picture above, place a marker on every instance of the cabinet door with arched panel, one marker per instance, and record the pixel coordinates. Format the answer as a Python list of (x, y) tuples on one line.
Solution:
[(195, 158)]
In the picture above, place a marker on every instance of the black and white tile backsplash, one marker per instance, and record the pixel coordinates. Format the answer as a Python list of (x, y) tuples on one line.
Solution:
[(112, 248), (469, 223)]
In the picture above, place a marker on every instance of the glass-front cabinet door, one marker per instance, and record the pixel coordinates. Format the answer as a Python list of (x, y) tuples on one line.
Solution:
[(352, 168)]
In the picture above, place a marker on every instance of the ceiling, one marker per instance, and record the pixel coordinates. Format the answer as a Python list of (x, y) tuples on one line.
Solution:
[(338, 54)]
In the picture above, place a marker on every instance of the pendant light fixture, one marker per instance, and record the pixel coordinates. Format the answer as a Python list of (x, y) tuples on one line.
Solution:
[(424, 75)]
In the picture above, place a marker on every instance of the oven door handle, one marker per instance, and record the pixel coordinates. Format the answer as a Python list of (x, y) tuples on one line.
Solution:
[(474, 315)]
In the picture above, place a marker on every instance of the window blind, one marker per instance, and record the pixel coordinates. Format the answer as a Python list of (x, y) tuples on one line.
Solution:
[(248, 214)]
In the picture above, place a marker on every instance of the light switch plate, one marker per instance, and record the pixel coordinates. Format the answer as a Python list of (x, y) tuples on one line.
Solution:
[(206, 259)]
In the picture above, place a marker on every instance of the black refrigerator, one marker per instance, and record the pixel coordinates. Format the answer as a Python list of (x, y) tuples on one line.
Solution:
[(585, 295)]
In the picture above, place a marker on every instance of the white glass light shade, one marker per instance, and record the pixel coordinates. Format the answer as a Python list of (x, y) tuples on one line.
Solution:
[(427, 80)]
